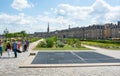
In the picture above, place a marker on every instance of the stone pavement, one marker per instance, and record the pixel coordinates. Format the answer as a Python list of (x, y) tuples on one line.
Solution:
[(10, 67)]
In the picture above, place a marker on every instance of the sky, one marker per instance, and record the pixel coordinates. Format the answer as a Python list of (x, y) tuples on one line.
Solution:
[(34, 15)]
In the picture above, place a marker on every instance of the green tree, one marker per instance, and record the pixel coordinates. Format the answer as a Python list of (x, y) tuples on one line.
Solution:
[(9, 35), (50, 42), (23, 33)]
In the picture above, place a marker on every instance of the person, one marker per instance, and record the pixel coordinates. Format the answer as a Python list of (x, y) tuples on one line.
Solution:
[(19, 45), (22, 43), (14, 47), (8, 48), (0, 48), (27, 44), (25, 47)]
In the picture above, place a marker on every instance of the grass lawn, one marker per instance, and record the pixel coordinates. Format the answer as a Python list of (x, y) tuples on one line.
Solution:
[(111, 46), (66, 47)]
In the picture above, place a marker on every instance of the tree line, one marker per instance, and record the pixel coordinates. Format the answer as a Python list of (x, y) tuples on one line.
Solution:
[(16, 34)]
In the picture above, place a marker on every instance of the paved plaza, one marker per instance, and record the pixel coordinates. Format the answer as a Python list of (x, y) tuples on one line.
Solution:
[(10, 67), (81, 57)]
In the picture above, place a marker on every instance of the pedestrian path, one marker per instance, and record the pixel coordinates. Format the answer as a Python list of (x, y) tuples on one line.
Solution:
[(93, 47), (33, 45), (9, 65)]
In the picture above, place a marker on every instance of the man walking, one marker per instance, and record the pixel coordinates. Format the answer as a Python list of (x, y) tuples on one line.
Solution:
[(27, 44), (14, 47)]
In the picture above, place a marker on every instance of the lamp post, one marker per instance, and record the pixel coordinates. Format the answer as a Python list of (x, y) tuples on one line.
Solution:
[(56, 34), (119, 35), (5, 33)]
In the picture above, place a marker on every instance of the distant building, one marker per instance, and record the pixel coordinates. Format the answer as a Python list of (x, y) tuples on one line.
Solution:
[(1, 36), (106, 31)]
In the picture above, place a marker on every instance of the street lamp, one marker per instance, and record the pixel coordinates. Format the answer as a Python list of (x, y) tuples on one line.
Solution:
[(56, 33), (5, 33), (119, 34)]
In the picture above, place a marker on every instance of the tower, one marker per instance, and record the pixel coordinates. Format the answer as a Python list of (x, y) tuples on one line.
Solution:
[(69, 27), (48, 29), (5, 31)]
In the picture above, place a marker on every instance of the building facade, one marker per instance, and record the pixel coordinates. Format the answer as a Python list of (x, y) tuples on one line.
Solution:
[(106, 31)]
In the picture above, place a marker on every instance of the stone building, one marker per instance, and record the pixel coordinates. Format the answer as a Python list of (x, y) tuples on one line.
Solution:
[(106, 31)]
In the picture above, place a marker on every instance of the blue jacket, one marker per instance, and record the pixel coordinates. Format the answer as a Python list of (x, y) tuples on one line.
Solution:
[(0, 48), (14, 45)]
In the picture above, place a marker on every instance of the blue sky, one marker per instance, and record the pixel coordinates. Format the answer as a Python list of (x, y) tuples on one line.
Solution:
[(34, 15)]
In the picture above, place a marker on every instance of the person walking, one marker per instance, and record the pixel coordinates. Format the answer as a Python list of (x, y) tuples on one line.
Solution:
[(25, 47), (22, 43), (14, 47), (27, 44), (0, 48), (8, 48), (19, 45)]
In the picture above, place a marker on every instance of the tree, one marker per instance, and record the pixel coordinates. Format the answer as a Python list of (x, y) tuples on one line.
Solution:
[(9, 35), (50, 42), (16, 34), (23, 33)]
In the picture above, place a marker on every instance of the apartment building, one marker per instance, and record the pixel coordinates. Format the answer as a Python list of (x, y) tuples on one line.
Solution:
[(96, 31)]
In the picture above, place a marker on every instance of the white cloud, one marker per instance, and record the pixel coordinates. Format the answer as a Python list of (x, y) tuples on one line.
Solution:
[(13, 19), (73, 12), (114, 14), (99, 12), (15, 22), (61, 16), (21, 4), (23, 22)]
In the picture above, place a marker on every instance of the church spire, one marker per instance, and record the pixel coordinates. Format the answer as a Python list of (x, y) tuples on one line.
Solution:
[(48, 29), (5, 31), (69, 27)]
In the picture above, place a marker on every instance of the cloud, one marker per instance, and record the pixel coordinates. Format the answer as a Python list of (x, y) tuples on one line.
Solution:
[(16, 23), (73, 12), (104, 13), (99, 12), (61, 16), (13, 19), (21, 4), (38, 23), (114, 14)]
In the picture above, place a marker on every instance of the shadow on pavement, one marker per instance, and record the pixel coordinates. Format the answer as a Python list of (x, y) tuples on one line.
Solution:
[(7, 58)]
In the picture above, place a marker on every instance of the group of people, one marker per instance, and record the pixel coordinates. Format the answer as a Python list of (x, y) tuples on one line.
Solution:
[(14, 46)]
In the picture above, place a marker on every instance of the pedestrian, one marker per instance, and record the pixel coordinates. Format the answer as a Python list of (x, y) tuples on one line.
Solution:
[(14, 47), (8, 48), (25, 47), (0, 48), (27, 44), (19, 45), (22, 43)]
